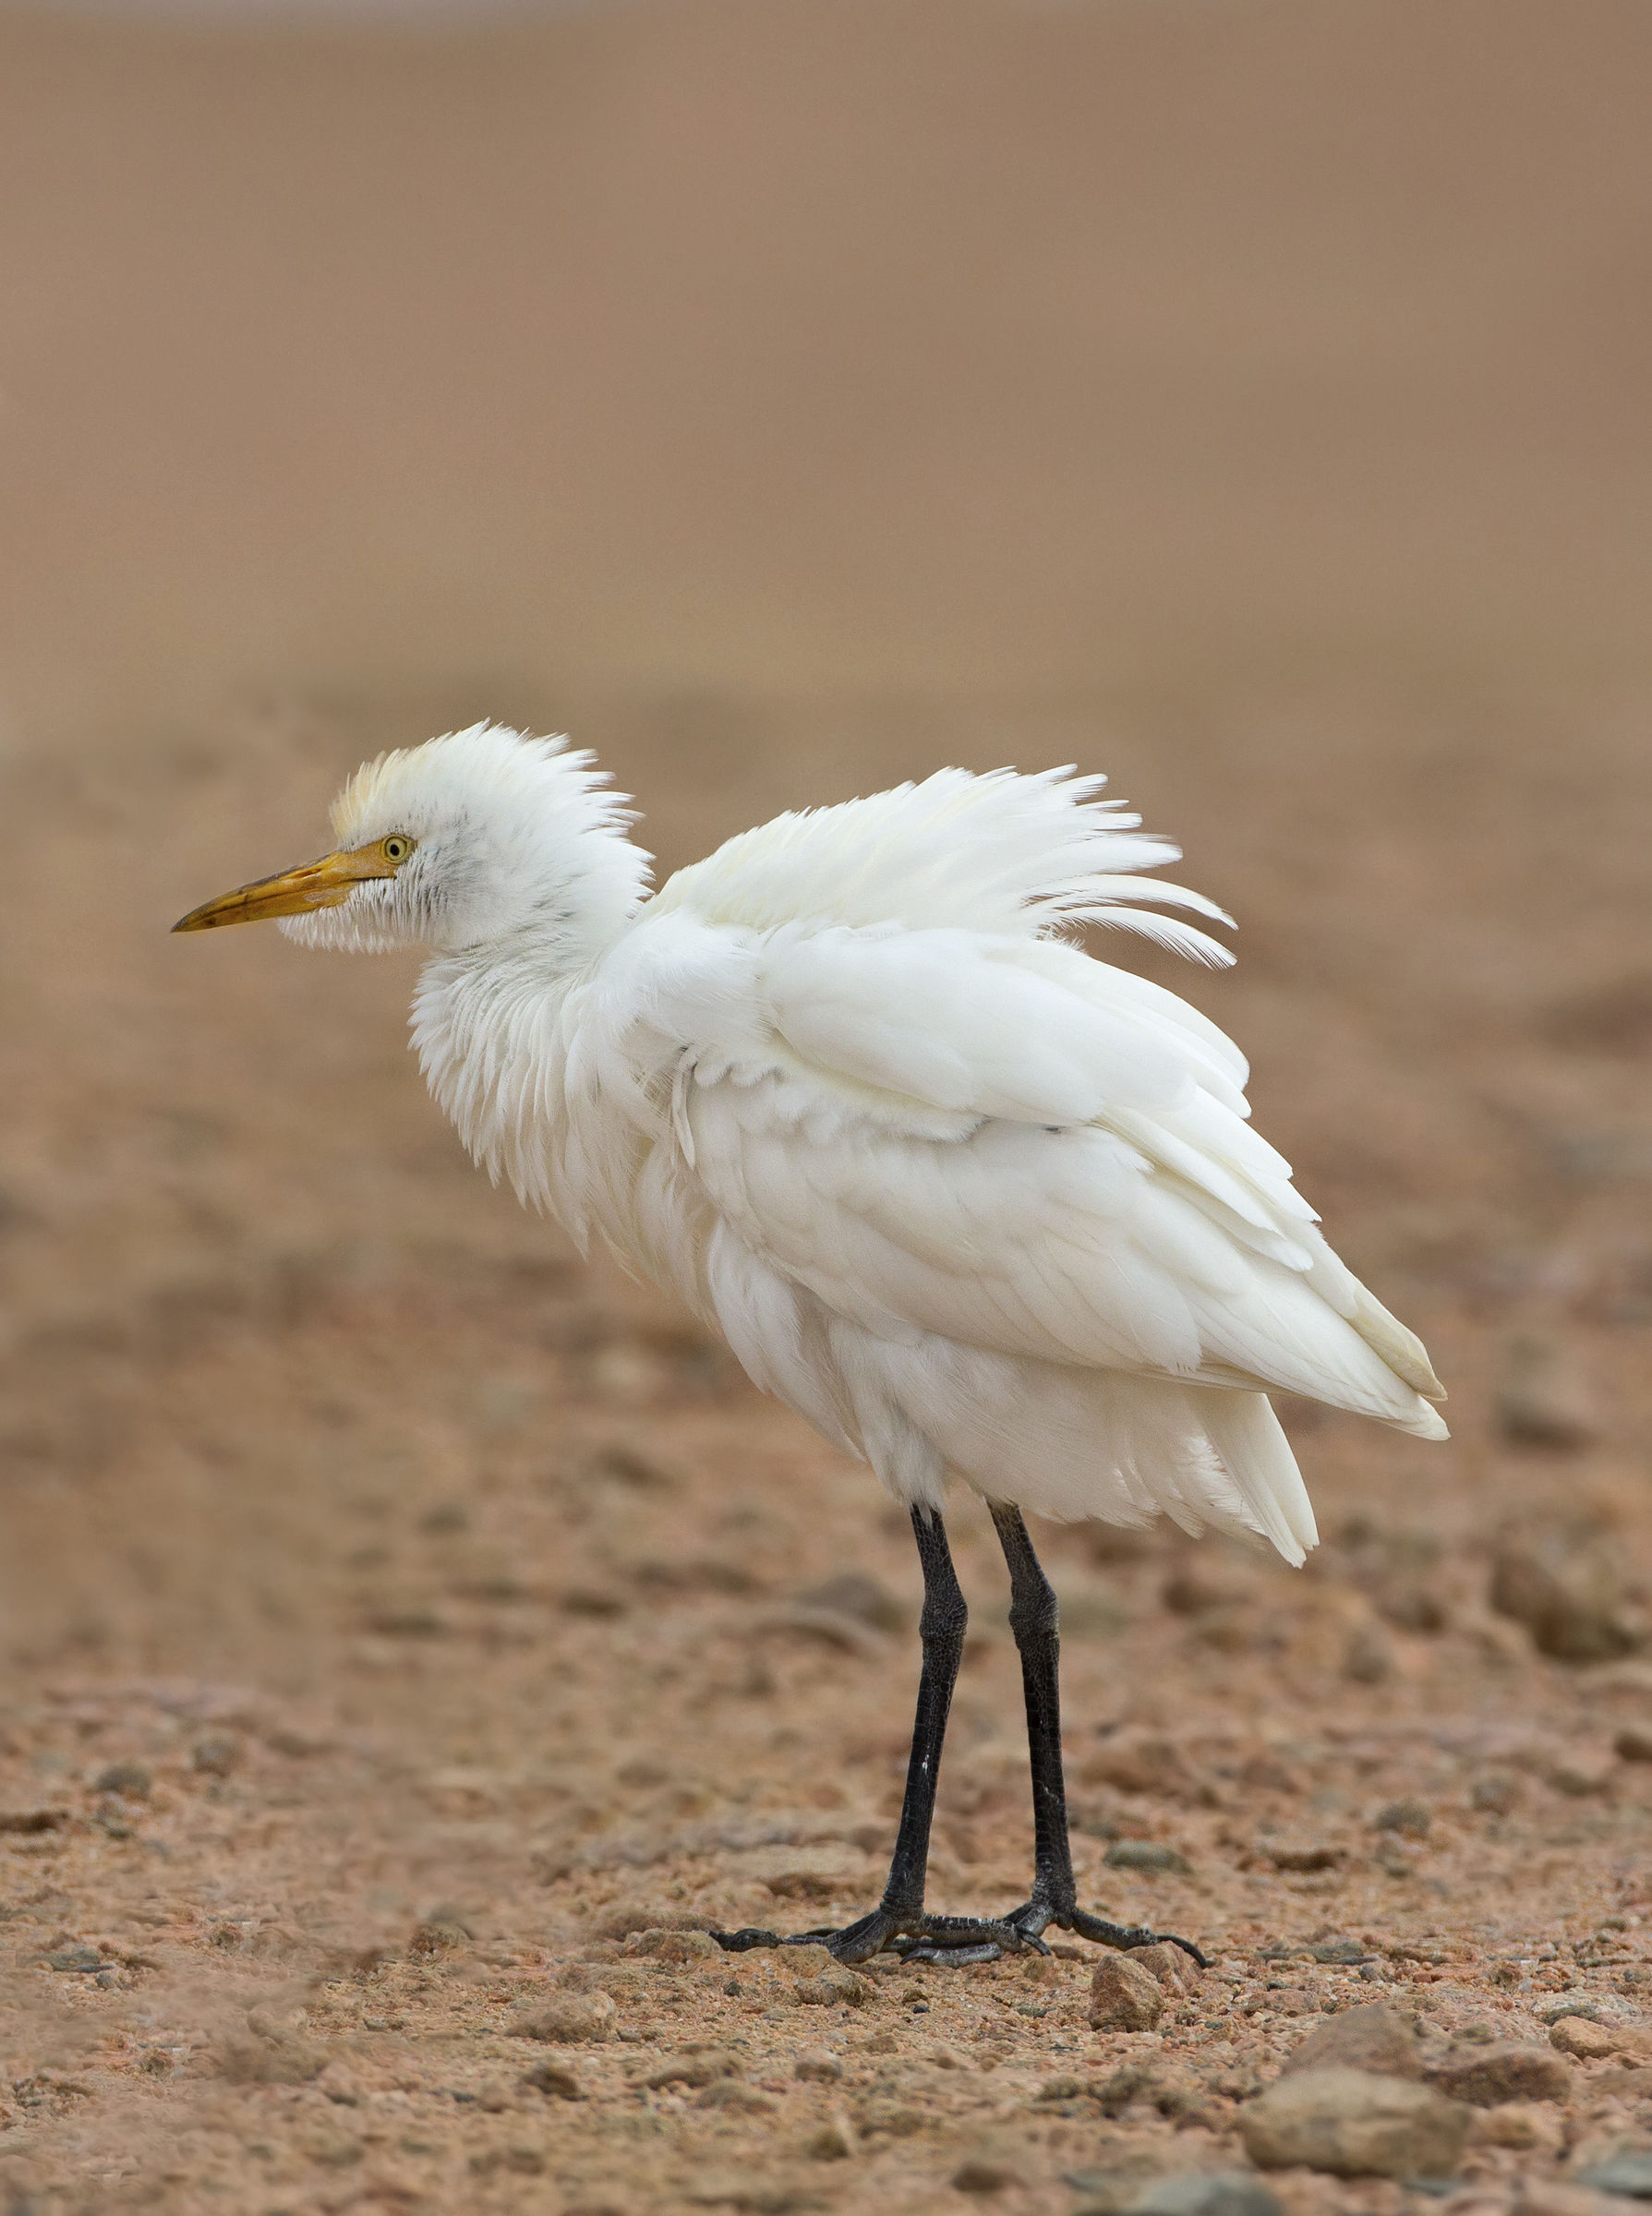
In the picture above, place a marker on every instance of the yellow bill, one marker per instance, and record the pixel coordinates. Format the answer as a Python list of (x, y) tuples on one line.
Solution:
[(324, 884)]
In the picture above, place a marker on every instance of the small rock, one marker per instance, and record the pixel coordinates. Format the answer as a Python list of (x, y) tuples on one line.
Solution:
[(819, 2064), (1355, 2124), (1519, 2125), (804, 1873), (1588, 2042), (1205, 2193), (1374, 2038), (1173, 1966), (988, 2173), (1304, 1855), (215, 1756), (1124, 1996), (336, 2150), (566, 2019), (1569, 1588), (1505, 2071), (1545, 1400), (78, 1956), (731, 2092), (862, 1597), (1629, 2175), (834, 1988), (130, 1779), (1412, 1817), (32, 1820), (436, 1935), (675, 1946), (555, 2080), (1634, 1742), (1150, 1855), (1581, 1771), (835, 2142), (340, 2085), (1495, 1793), (624, 1918), (703, 2065), (1369, 1657), (1139, 1761)]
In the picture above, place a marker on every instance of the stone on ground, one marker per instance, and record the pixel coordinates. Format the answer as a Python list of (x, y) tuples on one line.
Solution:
[(1355, 2124)]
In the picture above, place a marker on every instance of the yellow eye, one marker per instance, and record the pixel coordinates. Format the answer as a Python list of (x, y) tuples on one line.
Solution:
[(397, 847)]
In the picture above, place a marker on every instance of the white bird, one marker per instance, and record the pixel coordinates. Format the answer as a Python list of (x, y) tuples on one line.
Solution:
[(967, 1200)]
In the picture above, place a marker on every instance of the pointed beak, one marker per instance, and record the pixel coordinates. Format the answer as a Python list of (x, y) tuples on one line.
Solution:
[(324, 884)]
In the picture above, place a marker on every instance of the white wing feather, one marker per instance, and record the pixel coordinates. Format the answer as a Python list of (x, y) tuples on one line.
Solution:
[(959, 1192)]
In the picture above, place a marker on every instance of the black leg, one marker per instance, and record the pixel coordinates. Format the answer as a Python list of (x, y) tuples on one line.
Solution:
[(900, 1923), (1033, 1619), (899, 1920)]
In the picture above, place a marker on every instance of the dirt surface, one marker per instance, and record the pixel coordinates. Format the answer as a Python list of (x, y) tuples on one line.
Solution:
[(401, 1615), (400, 1620)]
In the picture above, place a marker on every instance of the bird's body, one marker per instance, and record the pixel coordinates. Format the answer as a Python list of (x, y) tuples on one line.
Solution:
[(967, 1199)]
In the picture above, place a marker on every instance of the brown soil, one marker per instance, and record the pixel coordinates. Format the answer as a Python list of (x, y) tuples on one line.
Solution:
[(452, 1598), (398, 1615)]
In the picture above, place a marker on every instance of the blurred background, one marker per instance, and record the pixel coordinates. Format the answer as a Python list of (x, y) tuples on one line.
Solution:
[(1244, 397)]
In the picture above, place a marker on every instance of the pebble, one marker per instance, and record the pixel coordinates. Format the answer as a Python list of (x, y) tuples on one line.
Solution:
[(556, 2081), (1368, 1657), (1124, 1996), (1303, 1855), (1505, 2071), (624, 1918), (988, 2173), (675, 1946), (835, 2141), (1205, 2193), (1137, 1760), (1150, 1855), (1521, 2125), (731, 2092), (1354, 2123), (1173, 1966), (1412, 1817), (864, 1599), (1629, 2175), (130, 1779), (704, 2067), (567, 2019), (215, 1756), (1633, 1743), (1569, 1592), (77, 1957), (1544, 1399), (804, 1873), (836, 1988), (819, 2064), (1374, 2038), (1587, 2041)]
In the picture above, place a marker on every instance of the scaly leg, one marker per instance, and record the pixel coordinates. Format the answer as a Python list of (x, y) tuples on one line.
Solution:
[(1033, 1619), (900, 1922)]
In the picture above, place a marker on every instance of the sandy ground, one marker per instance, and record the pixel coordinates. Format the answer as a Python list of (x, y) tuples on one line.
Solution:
[(398, 1616), (400, 1613)]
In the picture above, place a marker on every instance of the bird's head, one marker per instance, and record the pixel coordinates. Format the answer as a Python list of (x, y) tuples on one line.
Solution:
[(479, 839)]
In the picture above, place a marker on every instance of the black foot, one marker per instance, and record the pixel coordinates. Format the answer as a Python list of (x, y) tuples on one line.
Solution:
[(953, 1940), (1035, 1916)]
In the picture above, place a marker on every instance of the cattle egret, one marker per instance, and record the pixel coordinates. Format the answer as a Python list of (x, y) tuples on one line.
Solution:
[(970, 1201)]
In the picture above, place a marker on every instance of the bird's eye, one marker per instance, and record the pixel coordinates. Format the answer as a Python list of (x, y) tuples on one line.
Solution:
[(397, 847)]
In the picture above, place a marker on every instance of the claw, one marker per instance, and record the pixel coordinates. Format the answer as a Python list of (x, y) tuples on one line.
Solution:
[(742, 1941)]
